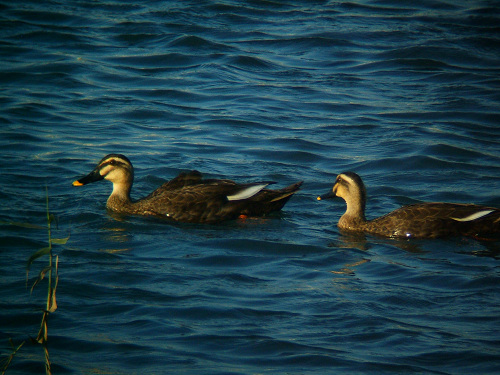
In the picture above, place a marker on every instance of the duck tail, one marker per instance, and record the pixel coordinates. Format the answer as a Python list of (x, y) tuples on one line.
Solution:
[(269, 200), (479, 222), (287, 192)]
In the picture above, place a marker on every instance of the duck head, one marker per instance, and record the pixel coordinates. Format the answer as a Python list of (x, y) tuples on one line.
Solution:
[(115, 168), (351, 189)]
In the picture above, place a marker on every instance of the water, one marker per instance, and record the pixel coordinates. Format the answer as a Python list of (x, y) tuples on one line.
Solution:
[(404, 93)]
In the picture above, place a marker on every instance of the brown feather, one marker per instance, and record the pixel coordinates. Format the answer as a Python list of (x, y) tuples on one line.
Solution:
[(425, 220), (187, 198)]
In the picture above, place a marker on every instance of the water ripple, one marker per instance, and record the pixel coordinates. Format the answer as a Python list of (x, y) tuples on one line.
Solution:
[(404, 93)]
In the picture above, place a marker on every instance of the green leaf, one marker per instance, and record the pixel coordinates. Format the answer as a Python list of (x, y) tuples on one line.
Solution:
[(53, 302), (41, 275), (60, 241), (38, 254), (22, 225)]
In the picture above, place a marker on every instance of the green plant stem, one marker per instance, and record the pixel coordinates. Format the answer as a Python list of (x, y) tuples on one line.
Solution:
[(10, 357), (49, 297), (49, 293), (51, 305)]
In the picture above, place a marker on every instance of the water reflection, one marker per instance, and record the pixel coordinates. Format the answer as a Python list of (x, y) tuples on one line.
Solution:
[(116, 234), (351, 240), (360, 241), (348, 268)]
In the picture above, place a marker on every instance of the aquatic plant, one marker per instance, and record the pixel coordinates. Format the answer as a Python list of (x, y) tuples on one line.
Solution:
[(50, 272), (8, 360)]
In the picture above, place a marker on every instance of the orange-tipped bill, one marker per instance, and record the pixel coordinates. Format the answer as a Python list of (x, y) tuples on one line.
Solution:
[(328, 195), (91, 177)]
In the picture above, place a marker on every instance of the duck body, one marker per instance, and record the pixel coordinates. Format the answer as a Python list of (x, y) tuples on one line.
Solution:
[(423, 220), (188, 197), (434, 220)]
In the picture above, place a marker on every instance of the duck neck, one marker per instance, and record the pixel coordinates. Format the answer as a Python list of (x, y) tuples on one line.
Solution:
[(119, 200), (354, 217)]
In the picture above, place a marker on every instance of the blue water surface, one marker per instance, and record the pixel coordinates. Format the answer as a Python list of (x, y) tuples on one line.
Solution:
[(405, 93)]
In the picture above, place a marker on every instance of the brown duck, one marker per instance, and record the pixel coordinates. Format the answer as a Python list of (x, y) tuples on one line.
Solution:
[(424, 220), (188, 197)]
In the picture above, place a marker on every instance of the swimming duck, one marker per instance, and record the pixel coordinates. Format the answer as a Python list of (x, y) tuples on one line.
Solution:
[(424, 220), (187, 198)]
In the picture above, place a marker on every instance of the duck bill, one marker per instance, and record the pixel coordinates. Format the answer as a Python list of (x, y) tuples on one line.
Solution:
[(91, 177), (329, 195)]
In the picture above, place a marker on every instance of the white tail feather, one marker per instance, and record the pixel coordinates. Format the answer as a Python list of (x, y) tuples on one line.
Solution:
[(474, 216), (247, 192)]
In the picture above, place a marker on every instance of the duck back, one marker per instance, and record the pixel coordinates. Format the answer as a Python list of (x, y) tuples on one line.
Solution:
[(433, 220), (189, 198)]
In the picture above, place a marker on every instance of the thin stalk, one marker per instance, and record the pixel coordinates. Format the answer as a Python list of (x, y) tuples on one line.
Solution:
[(8, 360), (49, 297), (53, 280), (50, 293)]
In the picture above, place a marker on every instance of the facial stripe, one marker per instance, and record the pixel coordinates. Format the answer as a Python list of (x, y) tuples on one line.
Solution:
[(108, 165), (347, 179), (113, 162), (105, 169)]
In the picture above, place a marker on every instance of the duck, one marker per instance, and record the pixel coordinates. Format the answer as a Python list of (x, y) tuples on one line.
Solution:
[(421, 220), (188, 197)]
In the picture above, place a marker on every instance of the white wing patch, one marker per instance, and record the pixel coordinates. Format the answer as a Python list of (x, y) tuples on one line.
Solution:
[(474, 216), (246, 193)]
